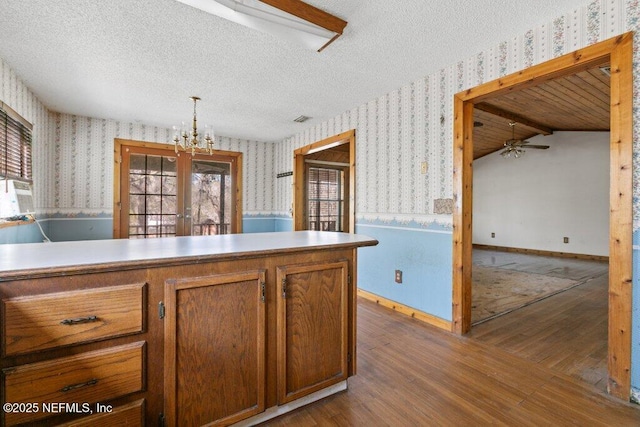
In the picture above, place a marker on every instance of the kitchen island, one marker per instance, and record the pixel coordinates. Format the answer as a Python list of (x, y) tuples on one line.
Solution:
[(181, 331)]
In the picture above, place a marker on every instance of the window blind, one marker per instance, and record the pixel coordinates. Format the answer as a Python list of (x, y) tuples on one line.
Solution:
[(15, 146)]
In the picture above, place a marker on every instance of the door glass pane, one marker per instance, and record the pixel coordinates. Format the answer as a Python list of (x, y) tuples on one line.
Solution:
[(152, 196), (211, 197), (326, 199)]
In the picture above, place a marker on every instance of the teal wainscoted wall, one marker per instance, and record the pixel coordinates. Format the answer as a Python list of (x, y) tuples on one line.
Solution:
[(79, 228), (424, 256), (60, 228), (635, 320), (26, 233), (258, 224), (283, 224)]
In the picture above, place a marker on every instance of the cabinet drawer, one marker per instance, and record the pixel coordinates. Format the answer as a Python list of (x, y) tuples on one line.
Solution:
[(130, 415), (46, 321), (85, 378)]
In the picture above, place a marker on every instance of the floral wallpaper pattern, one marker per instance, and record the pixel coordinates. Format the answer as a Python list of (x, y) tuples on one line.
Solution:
[(398, 131), (395, 133), (73, 157)]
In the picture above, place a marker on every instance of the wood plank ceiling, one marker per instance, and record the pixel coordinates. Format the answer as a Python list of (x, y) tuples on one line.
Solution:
[(579, 102)]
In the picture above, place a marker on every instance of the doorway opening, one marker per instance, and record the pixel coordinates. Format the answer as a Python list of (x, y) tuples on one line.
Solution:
[(617, 53), (324, 184)]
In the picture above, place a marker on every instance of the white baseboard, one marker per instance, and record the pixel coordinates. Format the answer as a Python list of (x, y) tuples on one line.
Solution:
[(276, 411)]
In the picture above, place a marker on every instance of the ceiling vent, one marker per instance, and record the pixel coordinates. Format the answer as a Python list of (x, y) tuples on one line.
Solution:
[(301, 119)]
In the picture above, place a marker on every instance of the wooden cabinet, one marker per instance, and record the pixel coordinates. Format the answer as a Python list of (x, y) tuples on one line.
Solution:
[(216, 332), (44, 321), (81, 380), (312, 328), (184, 331), (215, 348), (131, 414), (61, 352)]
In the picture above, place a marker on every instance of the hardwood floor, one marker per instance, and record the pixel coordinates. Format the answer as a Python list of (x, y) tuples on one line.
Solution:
[(566, 332), (413, 374)]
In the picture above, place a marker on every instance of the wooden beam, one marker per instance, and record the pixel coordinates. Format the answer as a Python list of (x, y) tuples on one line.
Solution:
[(332, 141), (299, 193), (621, 219), (309, 13), (619, 52), (462, 212), (487, 108), (571, 63)]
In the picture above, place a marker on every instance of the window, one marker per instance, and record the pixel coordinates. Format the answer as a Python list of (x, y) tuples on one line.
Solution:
[(15, 145), (152, 196), (326, 199)]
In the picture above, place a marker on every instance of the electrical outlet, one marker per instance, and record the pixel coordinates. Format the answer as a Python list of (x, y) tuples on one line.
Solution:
[(566, 239), (398, 276), (493, 235), (423, 168)]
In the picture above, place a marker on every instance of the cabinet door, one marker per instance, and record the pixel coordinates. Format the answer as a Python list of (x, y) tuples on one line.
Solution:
[(214, 349), (312, 307)]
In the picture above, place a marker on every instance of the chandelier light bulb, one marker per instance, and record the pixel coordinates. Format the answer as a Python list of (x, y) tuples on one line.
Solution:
[(192, 139)]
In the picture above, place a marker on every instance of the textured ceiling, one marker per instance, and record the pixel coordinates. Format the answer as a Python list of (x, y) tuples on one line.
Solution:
[(139, 61)]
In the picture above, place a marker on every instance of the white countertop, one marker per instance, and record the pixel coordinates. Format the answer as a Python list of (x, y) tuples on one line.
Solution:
[(37, 258)]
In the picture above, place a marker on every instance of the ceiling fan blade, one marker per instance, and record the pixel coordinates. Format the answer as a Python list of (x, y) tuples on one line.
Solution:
[(539, 147)]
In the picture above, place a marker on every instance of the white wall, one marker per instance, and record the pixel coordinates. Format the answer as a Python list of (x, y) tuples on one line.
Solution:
[(536, 200)]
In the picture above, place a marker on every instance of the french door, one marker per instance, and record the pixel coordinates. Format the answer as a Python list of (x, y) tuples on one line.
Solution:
[(161, 193)]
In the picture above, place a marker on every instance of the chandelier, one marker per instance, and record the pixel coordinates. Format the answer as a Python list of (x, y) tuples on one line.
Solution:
[(190, 140)]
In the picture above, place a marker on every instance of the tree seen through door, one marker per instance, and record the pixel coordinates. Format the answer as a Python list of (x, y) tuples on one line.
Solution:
[(210, 197)]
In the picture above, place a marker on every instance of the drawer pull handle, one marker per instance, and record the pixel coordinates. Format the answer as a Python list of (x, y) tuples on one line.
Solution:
[(77, 386), (80, 320)]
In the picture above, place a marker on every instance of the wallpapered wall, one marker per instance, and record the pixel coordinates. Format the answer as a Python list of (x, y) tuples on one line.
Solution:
[(401, 129), (83, 146), (73, 157), (17, 95), (395, 133)]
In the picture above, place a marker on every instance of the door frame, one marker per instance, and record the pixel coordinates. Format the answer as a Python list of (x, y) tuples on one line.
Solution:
[(618, 51), (299, 187), (120, 144)]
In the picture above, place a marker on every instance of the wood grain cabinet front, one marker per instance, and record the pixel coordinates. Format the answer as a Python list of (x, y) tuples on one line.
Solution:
[(214, 349), (312, 331), (39, 322), (130, 415), (206, 330), (81, 380)]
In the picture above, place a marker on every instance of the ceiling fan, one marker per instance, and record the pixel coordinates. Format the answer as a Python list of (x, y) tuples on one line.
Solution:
[(516, 146)]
